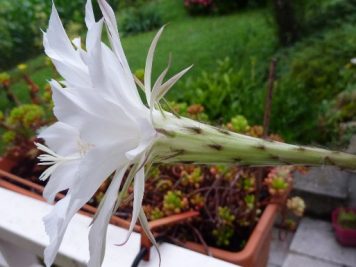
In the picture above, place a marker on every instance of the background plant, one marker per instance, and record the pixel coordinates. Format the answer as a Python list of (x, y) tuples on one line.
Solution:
[(20, 122), (141, 18), (347, 219)]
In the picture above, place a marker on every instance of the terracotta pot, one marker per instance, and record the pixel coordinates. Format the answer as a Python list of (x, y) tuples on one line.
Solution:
[(6, 164), (345, 236), (256, 250)]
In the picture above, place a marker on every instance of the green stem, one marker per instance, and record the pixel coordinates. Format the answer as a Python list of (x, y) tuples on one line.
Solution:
[(189, 141)]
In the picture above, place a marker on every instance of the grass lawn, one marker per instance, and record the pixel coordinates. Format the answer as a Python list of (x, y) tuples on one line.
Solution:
[(200, 41)]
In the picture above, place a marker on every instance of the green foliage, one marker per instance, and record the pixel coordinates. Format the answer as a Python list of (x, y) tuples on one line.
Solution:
[(338, 116), (250, 201), (156, 214), (20, 124), (225, 228), (25, 115), (8, 137), (129, 3), (21, 22), (4, 77), (203, 41), (194, 178), (220, 7), (311, 72), (322, 14), (347, 219), (20, 120), (239, 124), (174, 202), (140, 19), (227, 92), (195, 111)]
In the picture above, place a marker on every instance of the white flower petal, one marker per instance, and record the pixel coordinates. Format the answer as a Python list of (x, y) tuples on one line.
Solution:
[(61, 138), (149, 62), (98, 231), (139, 188), (122, 91), (102, 117), (148, 135), (77, 42), (53, 222), (114, 37), (93, 39), (146, 228), (89, 14), (62, 178), (161, 77), (96, 166), (62, 53), (159, 92)]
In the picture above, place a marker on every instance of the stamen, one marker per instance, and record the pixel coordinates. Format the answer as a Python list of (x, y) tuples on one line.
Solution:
[(84, 147), (53, 160)]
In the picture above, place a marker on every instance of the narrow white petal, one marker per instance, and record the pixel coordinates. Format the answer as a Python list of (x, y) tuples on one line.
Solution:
[(93, 40), (159, 92), (77, 42), (62, 53), (59, 43), (121, 89), (158, 84), (139, 188), (139, 83), (161, 77), (53, 226), (149, 62), (62, 178), (146, 228), (89, 14), (97, 234), (114, 37)]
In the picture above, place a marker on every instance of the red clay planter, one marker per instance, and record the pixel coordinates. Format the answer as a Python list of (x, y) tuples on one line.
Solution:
[(256, 251), (345, 236)]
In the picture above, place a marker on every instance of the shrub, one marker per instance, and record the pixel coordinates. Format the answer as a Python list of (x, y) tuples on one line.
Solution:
[(338, 116), (198, 7), (204, 7), (226, 91), (21, 23), (140, 19), (347, 219), (320, 14), (312, 72)]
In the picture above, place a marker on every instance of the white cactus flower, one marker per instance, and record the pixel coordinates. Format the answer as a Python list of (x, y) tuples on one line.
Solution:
[(104, 128)]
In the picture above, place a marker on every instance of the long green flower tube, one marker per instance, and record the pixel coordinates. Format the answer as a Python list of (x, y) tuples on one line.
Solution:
[(193, 142)]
